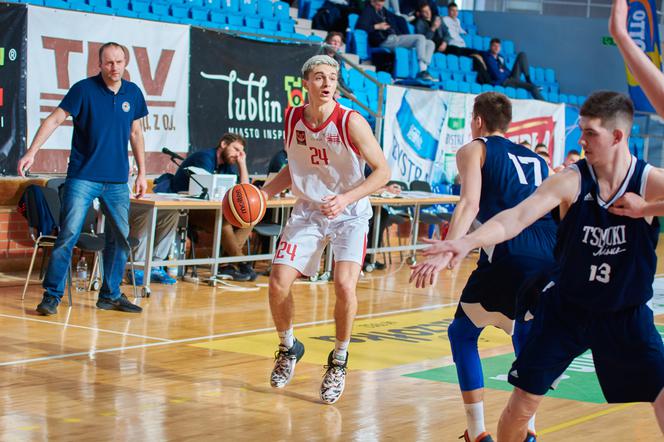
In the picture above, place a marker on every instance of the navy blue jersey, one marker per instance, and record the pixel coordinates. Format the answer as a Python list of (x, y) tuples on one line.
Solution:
[(606, 262), (510, 174)]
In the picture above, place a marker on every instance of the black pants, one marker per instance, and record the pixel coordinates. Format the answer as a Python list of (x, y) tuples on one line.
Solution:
[(521, 66)]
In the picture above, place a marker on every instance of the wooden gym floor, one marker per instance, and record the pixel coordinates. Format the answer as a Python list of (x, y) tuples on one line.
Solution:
[(194, 366)]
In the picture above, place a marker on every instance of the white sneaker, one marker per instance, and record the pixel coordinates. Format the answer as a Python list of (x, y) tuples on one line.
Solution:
[(284, 364), (334, 379)]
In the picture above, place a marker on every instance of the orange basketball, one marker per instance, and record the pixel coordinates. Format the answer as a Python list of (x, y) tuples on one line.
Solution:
[(244, 205)]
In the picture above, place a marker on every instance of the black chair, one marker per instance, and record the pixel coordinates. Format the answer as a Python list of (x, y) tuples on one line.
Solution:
[(86, 242), (394, 215), (426, 215)]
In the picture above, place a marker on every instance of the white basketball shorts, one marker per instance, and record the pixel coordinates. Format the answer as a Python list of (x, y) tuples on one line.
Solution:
[(308, 231)]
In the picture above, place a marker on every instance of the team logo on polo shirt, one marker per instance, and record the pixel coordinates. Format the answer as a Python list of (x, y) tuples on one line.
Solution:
[(301, 137), (126, 106)]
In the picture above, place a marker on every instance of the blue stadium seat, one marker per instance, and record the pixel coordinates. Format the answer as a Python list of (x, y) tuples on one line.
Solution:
[(442, 11), (499, 89), (521, 94), (119, 5), (103, 10), (79, 5), (439, 61), (478, 43), (453, 63), (451, 86), (200, 14), (553, 97), (140, 6), (352, 21), (231, 6), (315, 38), (471, 77), (636, 129), (270, 24), (211, 4), (361, 44), (355, 80), (466, 64), (314, 5), (414, 64), (549, 75), (235, 20), (265, 8), (218, 17), (487, 88), (582, 99), (384, 77), (252, 21), (464, 87), (563, 98), (287, 26), (458, 76), (508, 47), (510, 92), (486, 42), (467, 17), (345, 102), (281, 10), (545, 95), (573, 99), (247, 7), (60, 4), (445, 75), (159, 8), (94, 3), (401, 62), (124, 13), (475, 88), (468, 39), (179, 11)]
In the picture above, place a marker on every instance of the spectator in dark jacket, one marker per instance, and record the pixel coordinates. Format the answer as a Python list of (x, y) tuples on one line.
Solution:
[(432, 27), (387, 30), (501, 75)]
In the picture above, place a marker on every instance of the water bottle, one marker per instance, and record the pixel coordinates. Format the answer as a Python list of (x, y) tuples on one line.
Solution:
[(172, 269), (81, 275)]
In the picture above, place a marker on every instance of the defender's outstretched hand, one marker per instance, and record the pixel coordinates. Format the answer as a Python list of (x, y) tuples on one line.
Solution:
[(440, 255)]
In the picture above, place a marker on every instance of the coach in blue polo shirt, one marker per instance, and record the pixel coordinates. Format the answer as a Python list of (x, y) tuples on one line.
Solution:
[(106, 111)]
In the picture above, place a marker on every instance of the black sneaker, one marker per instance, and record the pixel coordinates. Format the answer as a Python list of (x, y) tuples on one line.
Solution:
[(246, 270), (121, 304), (334, 379), (227, 272), (284, 364), (425, 75), (379, 265), (48, 306)]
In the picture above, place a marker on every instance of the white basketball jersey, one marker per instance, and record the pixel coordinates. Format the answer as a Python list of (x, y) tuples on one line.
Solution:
[(323, 161)]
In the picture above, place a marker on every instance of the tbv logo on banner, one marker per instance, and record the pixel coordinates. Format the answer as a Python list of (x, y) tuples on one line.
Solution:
[(153, 85)]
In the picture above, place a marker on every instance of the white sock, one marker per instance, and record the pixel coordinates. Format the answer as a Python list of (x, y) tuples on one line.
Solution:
[(286, 337), (340, 349), (531, 425), (475, 419)]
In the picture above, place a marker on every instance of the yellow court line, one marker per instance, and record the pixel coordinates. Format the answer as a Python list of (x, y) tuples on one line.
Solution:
[(582, 419)]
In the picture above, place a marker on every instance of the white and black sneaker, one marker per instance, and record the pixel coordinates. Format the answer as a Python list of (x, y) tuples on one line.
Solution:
[(284, 364), (334, 379)]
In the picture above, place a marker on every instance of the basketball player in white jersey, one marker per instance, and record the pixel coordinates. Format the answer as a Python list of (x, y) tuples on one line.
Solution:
[(327, 147)]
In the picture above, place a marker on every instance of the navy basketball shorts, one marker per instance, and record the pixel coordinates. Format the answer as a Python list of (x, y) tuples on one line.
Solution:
[(626, 347), (500, 286)]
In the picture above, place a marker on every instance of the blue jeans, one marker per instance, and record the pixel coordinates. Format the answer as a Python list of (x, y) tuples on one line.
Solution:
[(77, 196)]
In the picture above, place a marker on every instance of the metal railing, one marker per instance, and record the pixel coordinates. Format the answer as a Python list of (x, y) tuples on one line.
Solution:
[(579, 8)]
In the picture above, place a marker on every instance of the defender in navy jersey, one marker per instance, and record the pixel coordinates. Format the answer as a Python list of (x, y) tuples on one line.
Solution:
[(605, 264), (496, 174)]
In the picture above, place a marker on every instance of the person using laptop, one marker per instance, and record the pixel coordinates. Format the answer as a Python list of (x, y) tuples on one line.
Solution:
[(228, 157)]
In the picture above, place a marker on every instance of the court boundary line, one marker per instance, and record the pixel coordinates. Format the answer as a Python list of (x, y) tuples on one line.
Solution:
[(586, 418), (85, 327), (92, 353)]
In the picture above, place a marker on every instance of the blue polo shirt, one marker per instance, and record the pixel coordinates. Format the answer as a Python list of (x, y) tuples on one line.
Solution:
[(102, 124), (205, 159)]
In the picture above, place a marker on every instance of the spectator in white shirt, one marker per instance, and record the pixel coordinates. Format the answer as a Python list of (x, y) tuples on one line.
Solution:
[(454, 26)]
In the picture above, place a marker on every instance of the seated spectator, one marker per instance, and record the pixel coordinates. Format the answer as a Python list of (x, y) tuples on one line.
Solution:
[(228, 157), (335, 41), (410, 9), (502, 76), (456, 44), (572, 157), (541, 148), (387, 30), (432, 28), (332, 16)]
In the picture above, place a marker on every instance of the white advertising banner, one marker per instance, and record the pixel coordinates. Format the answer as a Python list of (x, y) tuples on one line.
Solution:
[(63, 49), (424, 129)]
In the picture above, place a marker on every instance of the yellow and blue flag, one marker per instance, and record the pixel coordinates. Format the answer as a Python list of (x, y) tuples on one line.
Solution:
[(642, 27)]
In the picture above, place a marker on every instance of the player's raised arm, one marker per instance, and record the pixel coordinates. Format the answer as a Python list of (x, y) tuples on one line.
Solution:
[(645, 72)]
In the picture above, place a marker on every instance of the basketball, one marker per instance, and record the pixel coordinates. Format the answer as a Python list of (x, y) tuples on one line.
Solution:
[(244, 205)]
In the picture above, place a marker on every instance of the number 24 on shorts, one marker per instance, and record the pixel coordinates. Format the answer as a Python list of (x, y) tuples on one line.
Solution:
[(286, 248)]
